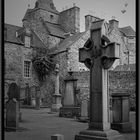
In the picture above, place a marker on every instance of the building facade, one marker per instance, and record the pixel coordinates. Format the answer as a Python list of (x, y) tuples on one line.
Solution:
[(58, 35)]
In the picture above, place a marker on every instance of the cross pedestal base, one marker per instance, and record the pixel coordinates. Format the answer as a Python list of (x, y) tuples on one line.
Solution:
[(99, 135)]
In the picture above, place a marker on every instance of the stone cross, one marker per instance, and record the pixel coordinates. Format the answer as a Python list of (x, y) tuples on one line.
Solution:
[(98, 54)]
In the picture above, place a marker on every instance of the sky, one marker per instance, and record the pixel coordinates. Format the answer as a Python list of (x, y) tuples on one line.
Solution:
[(107, 9)]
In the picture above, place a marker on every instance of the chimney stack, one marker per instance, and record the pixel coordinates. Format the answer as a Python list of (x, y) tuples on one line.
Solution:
[(89, 19), (113, 23)]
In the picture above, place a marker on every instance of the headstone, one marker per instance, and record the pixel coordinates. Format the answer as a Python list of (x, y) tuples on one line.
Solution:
[(120, 112), (98, 54), (33, 93), (69, 108), (57, 96), (38, 94), (84, 110), (12, 114), (14, 93)]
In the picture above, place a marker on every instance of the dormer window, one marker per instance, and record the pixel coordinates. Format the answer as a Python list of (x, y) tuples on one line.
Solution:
[(27, 41)]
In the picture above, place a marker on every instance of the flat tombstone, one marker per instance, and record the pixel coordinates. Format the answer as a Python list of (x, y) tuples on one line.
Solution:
[(12, 114), (14, 92), (84, 108)]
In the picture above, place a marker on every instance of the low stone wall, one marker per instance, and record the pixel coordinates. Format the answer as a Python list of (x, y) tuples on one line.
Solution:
[(118, 81)]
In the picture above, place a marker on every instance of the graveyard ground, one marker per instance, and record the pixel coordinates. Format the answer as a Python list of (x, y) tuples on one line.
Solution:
[(40, 125)]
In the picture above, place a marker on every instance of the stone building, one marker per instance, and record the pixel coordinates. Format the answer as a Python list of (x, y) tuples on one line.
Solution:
[(58, 35)]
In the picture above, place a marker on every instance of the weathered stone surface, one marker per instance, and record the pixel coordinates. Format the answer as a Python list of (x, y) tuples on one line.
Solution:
[(12, 114)]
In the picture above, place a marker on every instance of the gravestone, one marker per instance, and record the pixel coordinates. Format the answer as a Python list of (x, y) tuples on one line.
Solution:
[(69, 108), (38, 94), (14, 92), (33, 93), (13, 114), (56, 96), (84, 110), (98, 54)]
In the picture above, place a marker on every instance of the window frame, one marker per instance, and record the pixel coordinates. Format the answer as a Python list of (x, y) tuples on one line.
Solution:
[(29, 69)]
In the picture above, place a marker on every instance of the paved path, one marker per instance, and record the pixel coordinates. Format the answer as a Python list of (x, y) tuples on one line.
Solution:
[(40, 125)]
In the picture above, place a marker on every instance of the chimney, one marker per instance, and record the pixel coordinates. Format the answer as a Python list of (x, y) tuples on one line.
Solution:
[(69, 19), (113, 23), (89, 19)]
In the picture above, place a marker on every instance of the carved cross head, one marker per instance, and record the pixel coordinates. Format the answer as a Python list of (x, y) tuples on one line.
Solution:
[(99, 46)]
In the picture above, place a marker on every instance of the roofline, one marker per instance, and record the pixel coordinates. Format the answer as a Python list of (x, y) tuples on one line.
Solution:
[(69, 9), (12, 25)]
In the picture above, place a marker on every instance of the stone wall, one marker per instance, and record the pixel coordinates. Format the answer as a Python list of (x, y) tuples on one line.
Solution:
[(70, 19), (118, 81), (73, 53)]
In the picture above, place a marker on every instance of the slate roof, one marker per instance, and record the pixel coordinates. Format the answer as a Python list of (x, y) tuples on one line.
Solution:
[(55, 29), (128, 67), (11, 33), (11, 36), (66, 43), (128, 31)]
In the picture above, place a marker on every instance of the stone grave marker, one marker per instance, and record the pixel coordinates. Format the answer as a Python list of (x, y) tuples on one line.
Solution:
[(98, 54), (13, 108), (69, 108), (33, 93), (12, 114), (14, 92), (38, 94), (84, 110)]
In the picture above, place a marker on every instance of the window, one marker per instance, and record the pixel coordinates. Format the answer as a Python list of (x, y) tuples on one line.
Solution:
[(27, 69), (27, 41)]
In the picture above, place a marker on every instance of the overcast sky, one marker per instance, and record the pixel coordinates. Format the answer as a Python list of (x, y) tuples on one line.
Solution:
[(106, 9)]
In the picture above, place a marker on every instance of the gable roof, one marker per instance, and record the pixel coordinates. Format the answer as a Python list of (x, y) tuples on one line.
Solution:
[(11, 36), (128, 67), (128, 31), (66, 43), (55, 29), (11, 33)]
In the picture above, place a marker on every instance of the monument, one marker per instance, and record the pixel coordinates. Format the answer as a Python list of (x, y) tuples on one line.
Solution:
[(69, 108), (56, 96), (98, 54), (13, 108)]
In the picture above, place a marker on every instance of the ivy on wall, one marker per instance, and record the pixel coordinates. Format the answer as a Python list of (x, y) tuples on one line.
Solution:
[(42, 63)]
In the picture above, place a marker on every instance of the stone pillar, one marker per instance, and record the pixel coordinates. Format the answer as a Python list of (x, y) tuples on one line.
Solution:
[(57, 96), (69, 109), (98, 54), (120, 112)]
